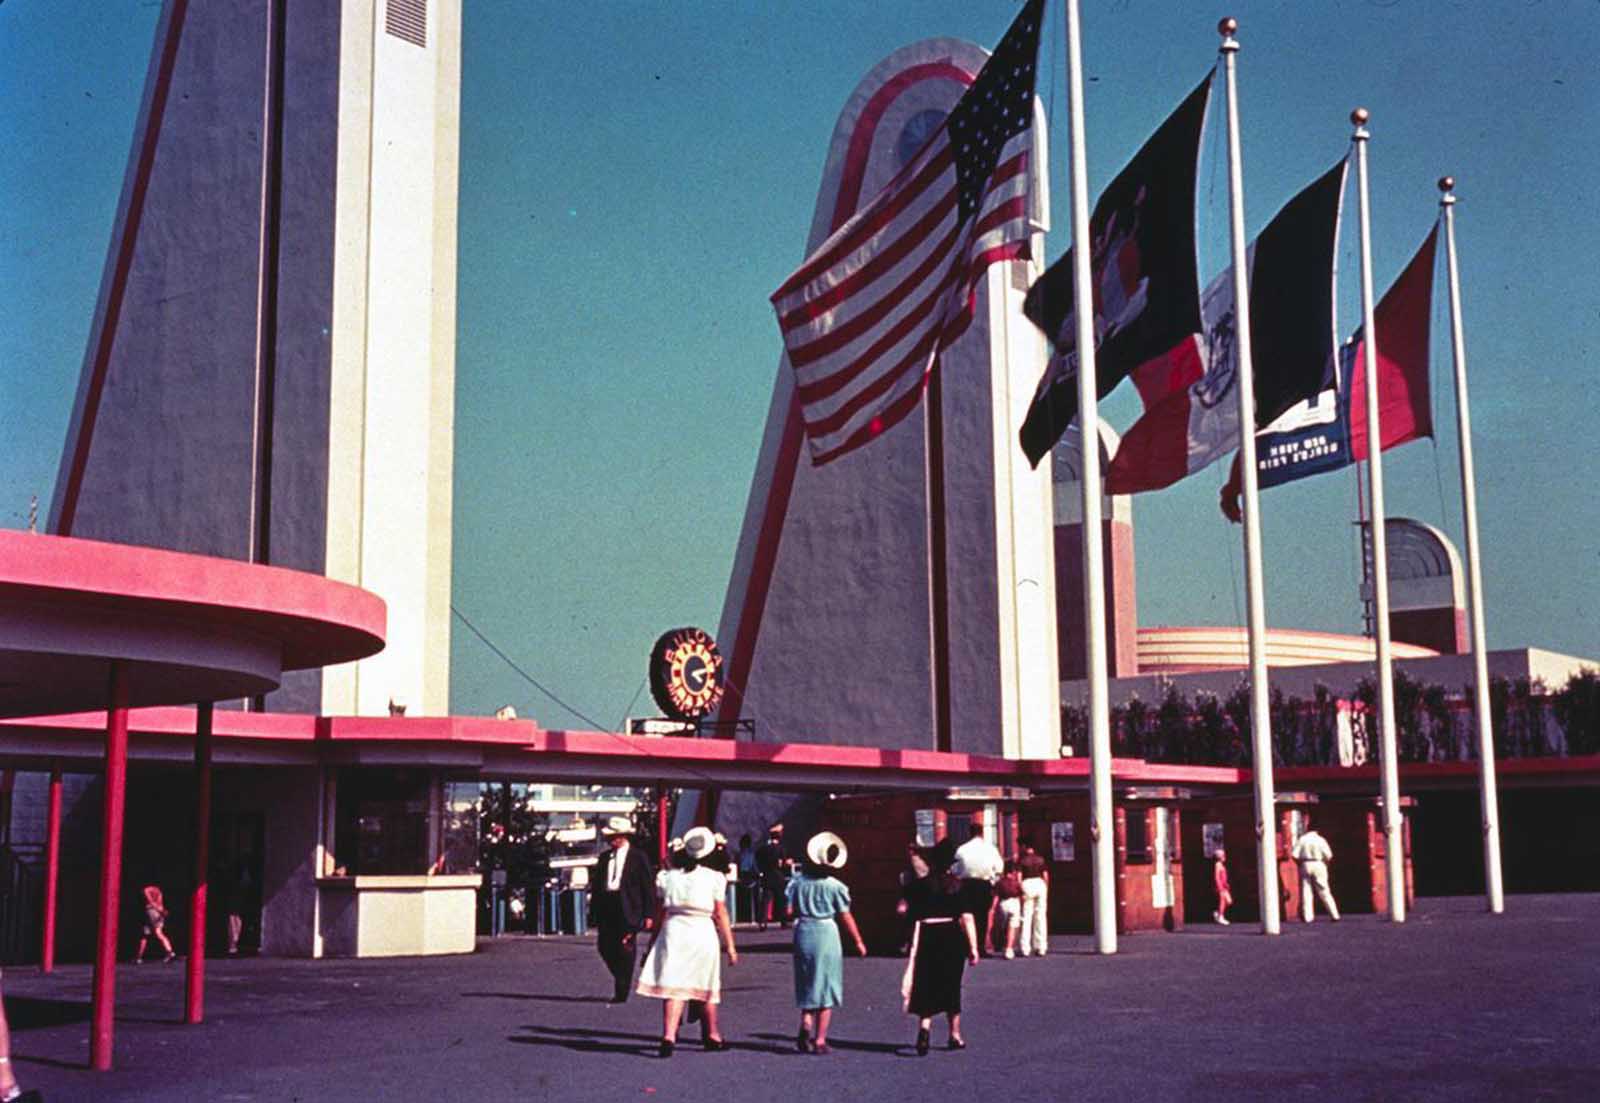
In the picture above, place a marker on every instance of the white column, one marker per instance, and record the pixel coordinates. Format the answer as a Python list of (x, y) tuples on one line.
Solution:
[(1100, 811), (1469, 512), (1260, 714), (1394, 850)]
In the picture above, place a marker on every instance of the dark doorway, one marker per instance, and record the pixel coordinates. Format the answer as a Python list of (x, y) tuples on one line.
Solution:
[(238, 841)]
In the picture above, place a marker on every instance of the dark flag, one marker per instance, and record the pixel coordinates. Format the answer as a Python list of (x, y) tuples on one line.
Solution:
[(1145, 274), (1330, 431), (865, 317), (1292, 322)]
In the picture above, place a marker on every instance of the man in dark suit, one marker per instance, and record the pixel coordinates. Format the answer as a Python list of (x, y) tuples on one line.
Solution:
[(621, 903)]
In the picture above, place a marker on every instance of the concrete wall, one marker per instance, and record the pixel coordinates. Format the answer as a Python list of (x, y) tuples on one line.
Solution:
[(287, 798), (392, 916), (336, 378), (828, 625), (164, 431)]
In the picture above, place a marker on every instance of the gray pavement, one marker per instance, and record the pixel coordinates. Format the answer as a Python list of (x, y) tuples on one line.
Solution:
[(1455, 1004)]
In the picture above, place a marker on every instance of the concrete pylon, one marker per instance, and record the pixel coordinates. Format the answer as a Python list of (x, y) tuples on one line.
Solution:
[(270, 372), (837, 626)]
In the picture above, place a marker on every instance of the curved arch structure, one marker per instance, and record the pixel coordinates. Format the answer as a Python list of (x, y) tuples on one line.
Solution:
[(1187, 650), (1427, 602), (834, 618)]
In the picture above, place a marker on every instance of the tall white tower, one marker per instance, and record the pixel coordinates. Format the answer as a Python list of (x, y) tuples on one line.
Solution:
[(904, 595), (271, 368), (392, 401)]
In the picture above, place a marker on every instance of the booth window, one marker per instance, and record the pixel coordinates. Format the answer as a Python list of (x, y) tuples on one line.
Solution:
[(1138, 836), (382, 820), (458, 830)]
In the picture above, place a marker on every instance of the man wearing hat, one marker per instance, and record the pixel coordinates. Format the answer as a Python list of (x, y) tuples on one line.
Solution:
[(621, 903), (773, 867)]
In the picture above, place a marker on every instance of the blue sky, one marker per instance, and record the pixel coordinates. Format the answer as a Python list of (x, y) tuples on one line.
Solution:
[(637, 177)]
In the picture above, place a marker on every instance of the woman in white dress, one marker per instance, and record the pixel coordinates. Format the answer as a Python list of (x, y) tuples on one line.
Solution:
[(685, 959)]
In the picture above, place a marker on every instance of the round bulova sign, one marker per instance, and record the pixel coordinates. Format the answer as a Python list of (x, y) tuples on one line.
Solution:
[(686, 673)]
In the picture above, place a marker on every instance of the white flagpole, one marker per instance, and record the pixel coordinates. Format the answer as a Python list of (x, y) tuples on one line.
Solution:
[(1244, 384), (1394, 852), (1469, 512), (1104, 873)]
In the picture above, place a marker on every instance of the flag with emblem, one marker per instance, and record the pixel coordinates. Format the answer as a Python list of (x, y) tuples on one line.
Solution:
[(1145, 276), (1330, 431), (865, 317), (1290, 273)]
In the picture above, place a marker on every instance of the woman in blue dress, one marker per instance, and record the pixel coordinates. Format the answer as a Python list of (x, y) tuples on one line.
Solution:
[(820, 905)]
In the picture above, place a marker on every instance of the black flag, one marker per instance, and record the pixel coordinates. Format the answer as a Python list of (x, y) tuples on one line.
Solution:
[(1145, 273)]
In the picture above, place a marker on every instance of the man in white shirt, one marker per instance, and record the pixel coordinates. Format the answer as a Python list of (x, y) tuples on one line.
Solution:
[(1313, 853)]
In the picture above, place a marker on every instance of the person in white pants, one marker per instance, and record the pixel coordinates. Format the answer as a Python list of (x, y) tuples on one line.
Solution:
[(1313, 853), (1035, 902)]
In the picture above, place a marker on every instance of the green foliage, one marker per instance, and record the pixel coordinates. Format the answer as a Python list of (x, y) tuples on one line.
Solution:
[(1517, 710), (1577, 709), (1174, 721), (510, 837), (1209, 730)]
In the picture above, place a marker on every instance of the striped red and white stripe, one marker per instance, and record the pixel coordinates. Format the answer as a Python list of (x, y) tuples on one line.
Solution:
[(863, 321), (865, 317)]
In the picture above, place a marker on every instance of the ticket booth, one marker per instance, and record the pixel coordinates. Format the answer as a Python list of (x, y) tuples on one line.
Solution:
[(1229, 821), (1057, 826), (1149, 858), (881, 829), (1149, 878), (1359, 872)]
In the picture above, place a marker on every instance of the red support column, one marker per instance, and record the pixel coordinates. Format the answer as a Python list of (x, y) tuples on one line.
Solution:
[(195, 964), (102, 1003), (52, 871), (662, 827)]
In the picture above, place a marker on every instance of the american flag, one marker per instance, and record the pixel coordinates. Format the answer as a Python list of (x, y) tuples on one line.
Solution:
[(866, 315)]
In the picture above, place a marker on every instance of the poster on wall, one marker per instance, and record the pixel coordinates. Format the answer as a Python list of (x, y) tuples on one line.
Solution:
[(1063, 847), (1212, 833), (1160, 875), (924, 819)]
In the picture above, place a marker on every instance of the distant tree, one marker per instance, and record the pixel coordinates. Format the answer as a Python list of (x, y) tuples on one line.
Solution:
[(1577, 709)]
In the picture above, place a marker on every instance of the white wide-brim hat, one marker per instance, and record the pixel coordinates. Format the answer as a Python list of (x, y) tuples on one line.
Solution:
[(827, 849), (699, 841), (618, 825)]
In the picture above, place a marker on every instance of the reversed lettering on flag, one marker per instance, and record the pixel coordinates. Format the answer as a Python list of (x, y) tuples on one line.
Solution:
[(1330, 432), (1290, 274), (865, 317)]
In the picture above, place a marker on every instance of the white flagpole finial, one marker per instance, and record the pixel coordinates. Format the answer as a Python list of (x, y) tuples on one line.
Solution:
[(1447, 190), (1226, 27), (1358, 118)]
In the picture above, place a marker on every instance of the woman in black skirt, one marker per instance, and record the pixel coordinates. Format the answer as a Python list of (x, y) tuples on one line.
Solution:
[(943, 940)]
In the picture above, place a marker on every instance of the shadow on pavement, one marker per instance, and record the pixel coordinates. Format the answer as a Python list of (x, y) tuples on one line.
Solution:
[(541, 996), (834, 1042), (29, 1012), (585, 1040)]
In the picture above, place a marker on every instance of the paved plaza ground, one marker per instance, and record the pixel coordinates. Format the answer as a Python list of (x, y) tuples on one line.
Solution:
[(1455, 1004)]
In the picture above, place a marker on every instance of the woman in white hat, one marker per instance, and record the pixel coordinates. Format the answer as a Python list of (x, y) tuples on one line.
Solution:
[(820, 903), (685, 961)]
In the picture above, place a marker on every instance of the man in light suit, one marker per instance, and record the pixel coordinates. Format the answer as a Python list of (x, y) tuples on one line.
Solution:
[(1313, 853), (621, 903)]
